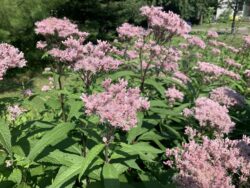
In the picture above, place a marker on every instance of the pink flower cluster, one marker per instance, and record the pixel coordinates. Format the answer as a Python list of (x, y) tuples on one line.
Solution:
[(50, 86), (212, 115), (174, 95), (168, 60), (127, 30), (89, 57), (212, 34), (232, 62), (117, 105), (167, 21), (196, 41), (55, 26), (247, 73), (212, 163), (41, 45), (10, 57), (217, 43), (181, 77), (226, 96), (27, 93), (15, 111), (96, 58), (157, 55), (247, 40), (216, 51), (216, 71)]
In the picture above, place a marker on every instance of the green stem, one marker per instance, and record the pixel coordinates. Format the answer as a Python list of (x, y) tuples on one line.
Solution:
[(61, 97)]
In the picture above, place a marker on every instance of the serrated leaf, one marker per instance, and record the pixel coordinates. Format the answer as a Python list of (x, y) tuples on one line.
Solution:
[(143, 149), (5, 137), (151, 135), (51, 137), (78, 168), (16, 176), (158, 87), (110, 176), (135, 132), (61, 158)]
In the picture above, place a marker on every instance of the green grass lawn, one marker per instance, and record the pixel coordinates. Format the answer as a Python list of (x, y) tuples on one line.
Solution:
[(219, 26)]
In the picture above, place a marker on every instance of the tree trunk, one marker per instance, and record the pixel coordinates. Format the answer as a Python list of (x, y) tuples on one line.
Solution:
[(234, 16)]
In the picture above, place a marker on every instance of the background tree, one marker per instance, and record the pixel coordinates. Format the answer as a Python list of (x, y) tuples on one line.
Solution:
[(235, 6)]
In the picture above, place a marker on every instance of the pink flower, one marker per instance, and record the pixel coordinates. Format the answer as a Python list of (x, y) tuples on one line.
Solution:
[(132, 54), (233, 63), (27, 93), (232, 49), (212, 115), (88, 57), (127, 30), (196, 41), (216, 51), (216, 71), (181, 77), (226, 96), (190, 132), (55, 26), (210, 68), (46, 88), (247, 40), (247, 73), (117, 105), (211, 163), (167, 21), (170, 60), (187, 112), (174, 95), (212, 34), (41, 44), (10, 57), (15, 111)]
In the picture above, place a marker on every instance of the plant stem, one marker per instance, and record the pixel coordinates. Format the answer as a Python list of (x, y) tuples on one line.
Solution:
[(61, 97), (107, 153)]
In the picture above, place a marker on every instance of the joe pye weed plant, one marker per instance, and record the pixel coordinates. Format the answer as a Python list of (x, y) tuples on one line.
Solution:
[(157, 107)]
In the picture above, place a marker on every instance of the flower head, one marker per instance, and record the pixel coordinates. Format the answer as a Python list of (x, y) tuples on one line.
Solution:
[(55, 26), (168, 21), (226, 96), (117, 105), (174, 95), (15, 111), (10, 57)]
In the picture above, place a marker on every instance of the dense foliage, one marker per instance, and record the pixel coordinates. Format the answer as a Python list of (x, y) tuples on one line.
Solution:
[(157, 107)]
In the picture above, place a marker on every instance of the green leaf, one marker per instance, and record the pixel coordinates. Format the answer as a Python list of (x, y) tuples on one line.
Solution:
[(61, 158), (110, 176), (135, 132), (90, 157), (151, 135), (5, 136), (16, 176), (158, 103), (143, 149), (122, 74), (157, 86), (166, 112), (52, 137), (78, 168), (173, 131)]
